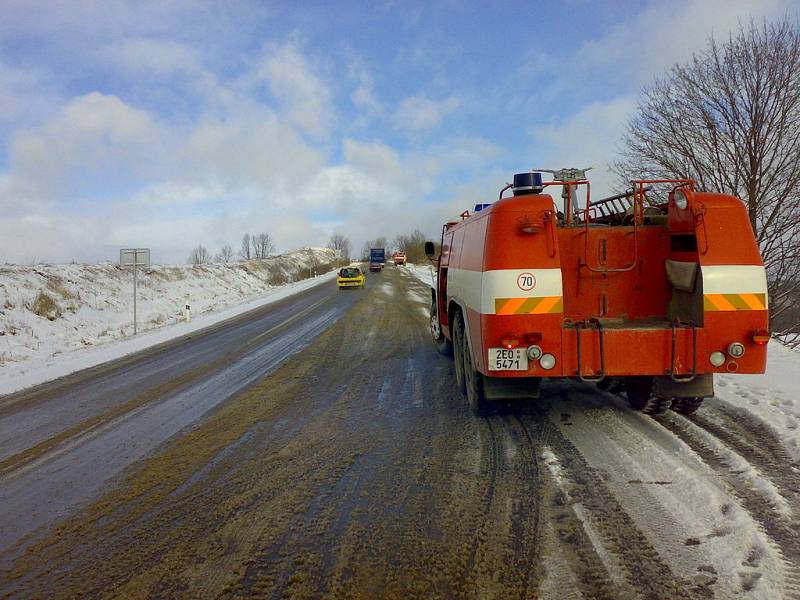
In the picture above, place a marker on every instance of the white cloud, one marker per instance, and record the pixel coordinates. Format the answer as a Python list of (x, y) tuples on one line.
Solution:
[(250, 149), (629, 56), (154, 57), (25, 94), (92, 134), (667, 32), (418, 113), (588, 138), (162, 185), (363, 96), (303, 97)]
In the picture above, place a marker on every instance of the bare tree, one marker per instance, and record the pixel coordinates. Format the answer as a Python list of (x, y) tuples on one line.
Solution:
[(225, 254), (369, 244), (244, 251), (365, 250), (262, 245), (413, 244), (267, 245), (256, 247), (340, 243), (199, 255), (730, 119)]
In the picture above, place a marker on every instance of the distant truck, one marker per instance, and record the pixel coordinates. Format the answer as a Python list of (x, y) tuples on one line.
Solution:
[(399, 258), (377, 258)]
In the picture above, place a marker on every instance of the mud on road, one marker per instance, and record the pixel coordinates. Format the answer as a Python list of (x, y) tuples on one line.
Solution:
[(356, 471)]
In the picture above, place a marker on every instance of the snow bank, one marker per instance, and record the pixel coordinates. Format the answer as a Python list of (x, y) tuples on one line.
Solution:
[(58, 319), (422, 272)]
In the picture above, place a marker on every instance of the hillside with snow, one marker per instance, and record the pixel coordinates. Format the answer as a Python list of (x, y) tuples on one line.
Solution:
[(49, 311)]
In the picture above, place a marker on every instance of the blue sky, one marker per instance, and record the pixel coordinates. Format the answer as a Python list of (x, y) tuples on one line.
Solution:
[(168, 124)]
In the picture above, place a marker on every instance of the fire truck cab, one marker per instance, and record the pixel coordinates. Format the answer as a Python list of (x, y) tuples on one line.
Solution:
[(639, 293)]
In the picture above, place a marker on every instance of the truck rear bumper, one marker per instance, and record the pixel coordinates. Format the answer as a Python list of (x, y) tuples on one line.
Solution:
[(652, 349)]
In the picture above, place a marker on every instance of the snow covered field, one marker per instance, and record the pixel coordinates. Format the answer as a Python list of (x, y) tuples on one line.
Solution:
[(57, 319), (774, 397)]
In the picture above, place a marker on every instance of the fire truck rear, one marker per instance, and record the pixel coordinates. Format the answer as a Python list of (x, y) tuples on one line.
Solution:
[(641, 293)]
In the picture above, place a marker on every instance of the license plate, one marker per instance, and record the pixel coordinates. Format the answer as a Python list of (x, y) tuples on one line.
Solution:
[(503, 359)]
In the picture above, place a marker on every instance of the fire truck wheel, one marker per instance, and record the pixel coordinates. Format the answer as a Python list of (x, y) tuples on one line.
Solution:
[(686, 406), (458, 352), (639, 391), (443, 345), (473, 381)]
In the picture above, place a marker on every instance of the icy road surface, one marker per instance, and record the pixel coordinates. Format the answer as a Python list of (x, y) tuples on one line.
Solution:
[(354, 470)]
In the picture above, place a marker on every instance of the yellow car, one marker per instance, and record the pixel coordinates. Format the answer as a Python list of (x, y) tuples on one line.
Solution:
[(350, 277)]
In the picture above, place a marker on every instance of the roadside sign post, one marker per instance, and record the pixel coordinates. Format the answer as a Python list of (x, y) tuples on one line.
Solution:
[(133, 258)]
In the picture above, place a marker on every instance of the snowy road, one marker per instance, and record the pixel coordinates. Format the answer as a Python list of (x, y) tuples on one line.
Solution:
[(60, 443), (355, 470)]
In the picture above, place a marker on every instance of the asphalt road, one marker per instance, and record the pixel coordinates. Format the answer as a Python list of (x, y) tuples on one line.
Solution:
[(354, 470), (60, 443)]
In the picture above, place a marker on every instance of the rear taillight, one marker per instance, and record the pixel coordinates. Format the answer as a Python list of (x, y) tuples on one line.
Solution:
[(509, 342), (760, 337), (532, 338)]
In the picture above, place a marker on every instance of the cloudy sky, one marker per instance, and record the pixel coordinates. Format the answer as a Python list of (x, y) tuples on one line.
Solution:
[(170, 123)]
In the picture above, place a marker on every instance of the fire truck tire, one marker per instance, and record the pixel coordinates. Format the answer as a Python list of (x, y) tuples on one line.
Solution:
[(473, 381), (686, 406), (458, 351), (443, 345), (639, 391)]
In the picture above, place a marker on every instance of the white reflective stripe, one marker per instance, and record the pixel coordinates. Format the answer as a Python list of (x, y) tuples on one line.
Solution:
[(734, 279), (478, 290), (504, 284), (465, 286)]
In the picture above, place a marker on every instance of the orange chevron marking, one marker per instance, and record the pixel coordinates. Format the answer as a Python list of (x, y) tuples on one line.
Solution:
[(529, 306), (547, 304), (511, 306), (729, 302)]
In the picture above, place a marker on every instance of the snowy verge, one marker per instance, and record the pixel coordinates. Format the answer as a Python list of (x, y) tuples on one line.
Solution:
[(90, 317), (422, 272)]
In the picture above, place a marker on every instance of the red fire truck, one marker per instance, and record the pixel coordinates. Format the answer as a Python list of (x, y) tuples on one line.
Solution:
[(650, 292)]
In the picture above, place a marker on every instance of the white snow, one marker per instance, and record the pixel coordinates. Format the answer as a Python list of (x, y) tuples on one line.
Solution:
[(422, 272), (774, 396), (669, 492), (90, 320)]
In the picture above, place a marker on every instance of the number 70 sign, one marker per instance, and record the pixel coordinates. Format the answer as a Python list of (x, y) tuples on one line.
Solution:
[(526, 281)]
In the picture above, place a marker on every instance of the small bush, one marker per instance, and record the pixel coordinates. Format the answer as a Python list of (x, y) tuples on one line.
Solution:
[(277, 276), (56, 285), (45, 306)]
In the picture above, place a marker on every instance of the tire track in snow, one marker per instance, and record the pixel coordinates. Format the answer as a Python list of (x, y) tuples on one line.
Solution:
[(758, 498), (527, 519), (756, 441), (608, 539), (492, 458)]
